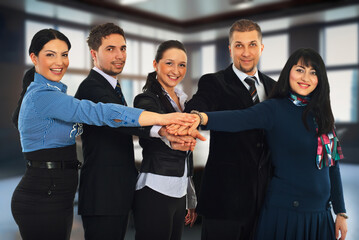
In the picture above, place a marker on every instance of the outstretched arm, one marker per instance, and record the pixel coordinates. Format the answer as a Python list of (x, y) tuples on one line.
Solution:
[(150, 118)]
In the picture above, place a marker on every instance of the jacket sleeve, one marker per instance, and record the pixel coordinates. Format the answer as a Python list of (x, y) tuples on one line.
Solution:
[(148, 102)]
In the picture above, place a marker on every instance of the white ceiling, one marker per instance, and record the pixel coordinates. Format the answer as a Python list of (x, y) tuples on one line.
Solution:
[(180, 10), (185, 10)]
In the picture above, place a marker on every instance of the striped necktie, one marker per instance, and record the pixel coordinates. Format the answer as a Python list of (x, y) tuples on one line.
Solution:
[(251, 81), (120, 94)]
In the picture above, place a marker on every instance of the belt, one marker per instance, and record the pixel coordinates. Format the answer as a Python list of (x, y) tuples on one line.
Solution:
[(54, 165)]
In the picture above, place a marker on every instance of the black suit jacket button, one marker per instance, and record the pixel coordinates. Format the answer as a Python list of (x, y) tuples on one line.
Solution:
[(295, 204)]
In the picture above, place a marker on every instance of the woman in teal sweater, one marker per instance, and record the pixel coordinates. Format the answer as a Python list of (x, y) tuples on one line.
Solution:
[(299, 126)]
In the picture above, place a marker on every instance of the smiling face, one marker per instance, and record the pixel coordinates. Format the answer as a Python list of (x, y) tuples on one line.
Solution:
[(245, 50), (171, 68), (303, 79), (111, 55), (52, 61)]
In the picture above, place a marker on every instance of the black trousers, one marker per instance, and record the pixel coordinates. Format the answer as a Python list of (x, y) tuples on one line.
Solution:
[(214, 229), (158, 216), (105, 227), (42, 203)]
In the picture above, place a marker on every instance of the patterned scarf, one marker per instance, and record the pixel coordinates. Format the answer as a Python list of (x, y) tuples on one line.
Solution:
[(329, 149)]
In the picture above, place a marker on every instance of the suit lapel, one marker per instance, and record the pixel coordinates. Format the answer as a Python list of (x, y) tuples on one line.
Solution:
[(267, 82), (108, 87), (237, 88)]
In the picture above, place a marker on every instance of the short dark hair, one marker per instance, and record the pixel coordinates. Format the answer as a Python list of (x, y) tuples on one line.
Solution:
[(44, 36), (319, 104), (98, 32), (244, 25)]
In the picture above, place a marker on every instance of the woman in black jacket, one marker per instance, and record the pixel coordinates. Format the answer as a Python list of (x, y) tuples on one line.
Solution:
[(165, 180)]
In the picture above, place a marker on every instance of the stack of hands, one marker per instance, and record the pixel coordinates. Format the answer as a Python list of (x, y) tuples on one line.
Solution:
[(183, 133)]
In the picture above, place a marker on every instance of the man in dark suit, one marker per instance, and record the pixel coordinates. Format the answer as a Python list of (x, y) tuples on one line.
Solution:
[(238, 169), (108, 175)]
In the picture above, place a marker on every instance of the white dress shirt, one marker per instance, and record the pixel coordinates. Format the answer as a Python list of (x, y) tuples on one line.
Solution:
[(171, 186), (259, 84)]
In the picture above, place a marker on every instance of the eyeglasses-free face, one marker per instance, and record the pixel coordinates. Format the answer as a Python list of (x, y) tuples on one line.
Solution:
[(52, 61)]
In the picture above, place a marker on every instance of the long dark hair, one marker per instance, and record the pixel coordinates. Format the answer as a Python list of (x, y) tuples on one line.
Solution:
[(319, 104), (152, 83), (37, 43)]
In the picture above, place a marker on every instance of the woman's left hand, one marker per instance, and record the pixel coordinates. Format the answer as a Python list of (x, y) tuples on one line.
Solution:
[(340, 226), (190, 217)]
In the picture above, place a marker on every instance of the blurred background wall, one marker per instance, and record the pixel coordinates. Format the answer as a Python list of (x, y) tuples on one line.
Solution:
[(330, 27)]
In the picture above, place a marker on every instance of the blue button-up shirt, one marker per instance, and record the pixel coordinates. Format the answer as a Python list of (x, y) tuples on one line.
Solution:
[(49, 118)]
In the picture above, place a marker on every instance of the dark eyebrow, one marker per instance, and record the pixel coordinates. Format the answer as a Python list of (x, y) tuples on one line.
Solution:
[(253, 41), (112, 46), (56, 52), (50, 51), (169, 59), (310, 67)]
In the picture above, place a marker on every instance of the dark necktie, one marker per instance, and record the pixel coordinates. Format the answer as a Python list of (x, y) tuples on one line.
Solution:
[(251, 81), (120, 94)]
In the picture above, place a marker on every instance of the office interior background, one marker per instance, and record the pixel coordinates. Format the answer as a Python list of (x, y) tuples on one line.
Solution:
[(329, 26)]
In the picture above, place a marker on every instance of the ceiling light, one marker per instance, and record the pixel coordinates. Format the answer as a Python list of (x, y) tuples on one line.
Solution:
[(234, 2), (129, 2)]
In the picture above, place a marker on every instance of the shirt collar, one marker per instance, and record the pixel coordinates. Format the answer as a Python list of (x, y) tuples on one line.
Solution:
[(57, 85), (241, 75), (180, 94), (110, 79)]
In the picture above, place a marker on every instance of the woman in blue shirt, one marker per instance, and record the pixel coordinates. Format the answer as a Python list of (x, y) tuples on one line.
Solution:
[(48, 122), (299, 127)]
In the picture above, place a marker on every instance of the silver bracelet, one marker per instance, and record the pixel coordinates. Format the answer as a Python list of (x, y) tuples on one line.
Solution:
[(199, 115), (343, 215)]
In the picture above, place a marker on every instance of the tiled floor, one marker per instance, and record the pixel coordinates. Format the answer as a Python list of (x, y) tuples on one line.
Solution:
[(9, 231)]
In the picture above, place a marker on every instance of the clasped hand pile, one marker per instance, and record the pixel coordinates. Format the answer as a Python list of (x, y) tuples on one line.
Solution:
[(183, 135)]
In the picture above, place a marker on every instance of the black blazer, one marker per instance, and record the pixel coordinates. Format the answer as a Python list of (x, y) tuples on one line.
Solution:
[(158, 158), (238, 168), (108, 175)]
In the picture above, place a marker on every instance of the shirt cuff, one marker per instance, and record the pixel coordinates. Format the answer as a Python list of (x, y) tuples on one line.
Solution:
[(191, 198), (128, 116), (165, 140), (154, 131)]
